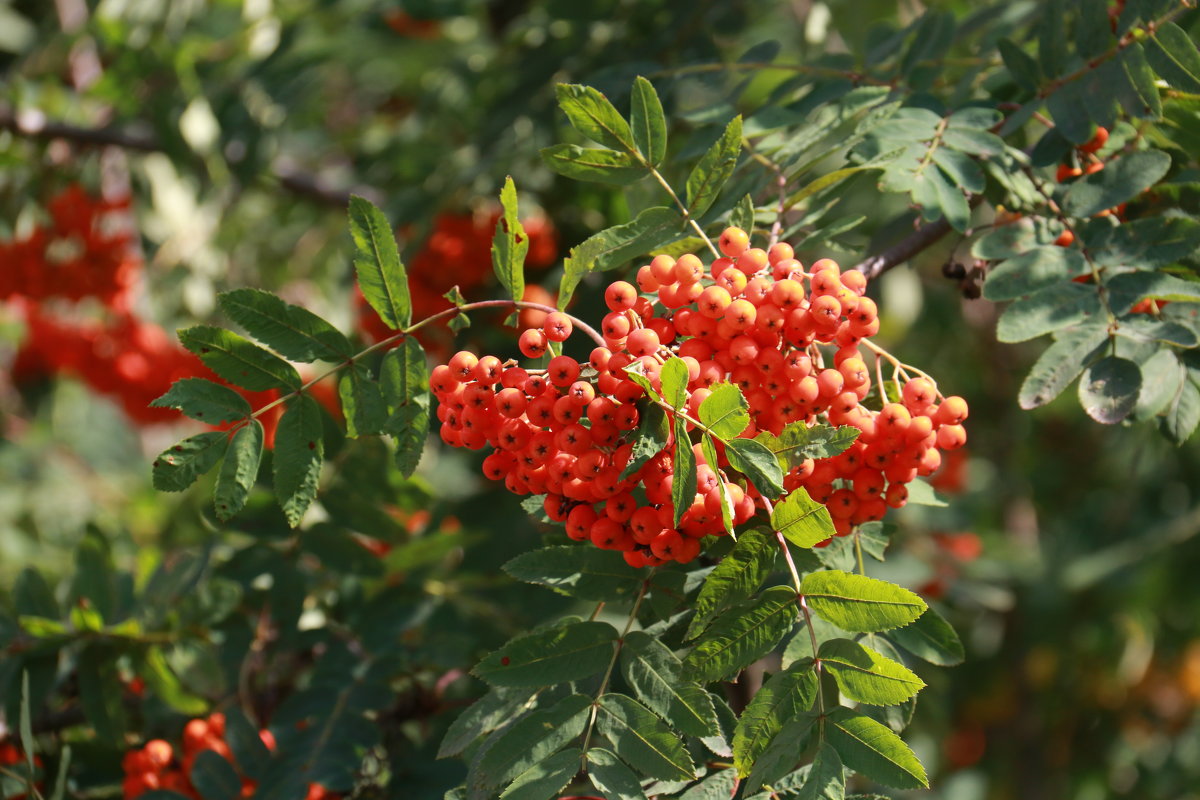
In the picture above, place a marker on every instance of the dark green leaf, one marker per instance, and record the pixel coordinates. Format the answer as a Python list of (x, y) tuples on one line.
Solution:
[(826, 778), (1070, 113), (612, 247), (591, 113), (98, 679), (239, 470), (510, 244), (404, 378), (867, 676), (743, 635), (868, 747), (1183, 414), (25, 724), (1035, 269), (651, 438), (338, 551), (683, 483), (594, 164), (960, 168), (293, 332), (1172, 53), (655, 674), (485, 715), (858, 603), (362, 402), (564, 653), (1048, 310), (725, 411), (1121, 179), (204, 400), (783, 698), (579, 571), (545, 779), (803, 521), (931, 638), (239, 360), (32, 595), (648, 122), (611, 777), (299, 453), (714, 169), (1108, 390), (1093, 35), (1061, 363), (1131, 287), (1132, 61), (179, 466), (742, 215), (214, 777), (381, 274), (757, 463), (642, 740), (245, 743), (1022, 66), (738, 576)]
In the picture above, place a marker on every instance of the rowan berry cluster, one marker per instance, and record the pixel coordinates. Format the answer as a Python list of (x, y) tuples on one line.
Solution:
[(155, 766), (458, 253), (83, 251), (787, 337), (11, 755)]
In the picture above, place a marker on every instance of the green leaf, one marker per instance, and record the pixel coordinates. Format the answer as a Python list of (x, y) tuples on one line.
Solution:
[(564, 653), (594, 164), (743, 635), (239, 471), (1021, 65), (1093, 35), (1148, 329), (1070, 113), (1130, 287), (338, 551), (293, 332), (825, 181), (725, 411), (1162, 376), (510, 244), (591, 113), (41, 627), (32, 595), (714, 169), (1059, 364), (648, 122), (683, 484), (742, 215), (920, 493), (612, 247), (362, 402), (544, 780), (204, 400), (239, 360), (60, 781), (96, 672), (299, 453), (381, 274), (649, 441), (973, 142), (803, 521), (1108, 390), (581, 571), (214, 777), (736, 578), (781, 754), (1048, 310), (1183, 414), (860, 604), (932, 639), (404, 378), (757, 463), (611, 777), (485, 715), (867, 676), (1132, 61), (960, 168), (674, 378), (826, 778), (642, 740), (1121, 179), (1035, 269), (179, 466), (655, 674), (782, 699), (25, 723), (1173, 55), (868, 747), (245, 743), (798, 441), (165, 684)]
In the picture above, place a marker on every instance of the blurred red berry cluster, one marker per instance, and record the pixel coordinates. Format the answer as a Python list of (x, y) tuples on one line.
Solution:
[(11, 755), (155, 766)]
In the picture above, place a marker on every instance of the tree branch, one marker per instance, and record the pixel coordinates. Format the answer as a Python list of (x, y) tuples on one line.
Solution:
[(35, 126), (923, 237)]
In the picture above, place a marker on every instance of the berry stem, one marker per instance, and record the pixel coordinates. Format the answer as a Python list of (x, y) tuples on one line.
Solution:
[(684, 210)]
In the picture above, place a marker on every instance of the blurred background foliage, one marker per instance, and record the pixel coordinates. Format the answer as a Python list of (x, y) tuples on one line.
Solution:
[(1066, 557)]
